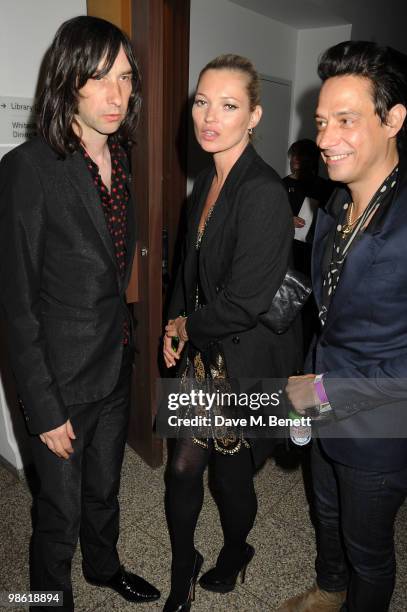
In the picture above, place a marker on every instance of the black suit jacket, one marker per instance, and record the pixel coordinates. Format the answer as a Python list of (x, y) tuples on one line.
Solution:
[(243, 259), (363, 346), (62, 294)]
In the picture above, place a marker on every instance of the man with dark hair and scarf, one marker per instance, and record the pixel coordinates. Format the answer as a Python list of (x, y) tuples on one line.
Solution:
[(357, 392), (67, 241)]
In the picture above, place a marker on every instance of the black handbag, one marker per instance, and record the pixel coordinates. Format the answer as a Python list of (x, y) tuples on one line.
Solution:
[(288, 301)]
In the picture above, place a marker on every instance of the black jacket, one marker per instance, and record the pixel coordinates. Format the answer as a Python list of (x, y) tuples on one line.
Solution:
[(62, 294), (243, 259)]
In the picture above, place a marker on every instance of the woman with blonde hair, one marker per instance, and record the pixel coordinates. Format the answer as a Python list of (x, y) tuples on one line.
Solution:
[(237, 246)]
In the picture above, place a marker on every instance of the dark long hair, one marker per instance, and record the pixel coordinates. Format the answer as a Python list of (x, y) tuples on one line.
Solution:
[(385, 67), (74, 56)]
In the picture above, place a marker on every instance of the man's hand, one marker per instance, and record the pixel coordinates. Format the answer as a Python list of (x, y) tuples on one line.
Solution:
[(59, 440), (299, 222), (301, 392), (174, 329)]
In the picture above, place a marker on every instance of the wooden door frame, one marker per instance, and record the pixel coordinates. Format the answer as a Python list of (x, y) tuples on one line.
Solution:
[(176, 111), (160, 35)]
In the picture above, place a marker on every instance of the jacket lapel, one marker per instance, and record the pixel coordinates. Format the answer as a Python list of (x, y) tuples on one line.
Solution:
[(221, 209), (82, 183), (131, 228), (130, 239), (361, 257), (363, 253)]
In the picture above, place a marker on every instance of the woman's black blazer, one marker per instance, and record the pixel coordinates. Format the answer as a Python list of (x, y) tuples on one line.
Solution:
[(243, 259)]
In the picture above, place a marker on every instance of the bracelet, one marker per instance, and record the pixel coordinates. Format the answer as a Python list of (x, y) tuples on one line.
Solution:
[(320, 389), (324, 409)]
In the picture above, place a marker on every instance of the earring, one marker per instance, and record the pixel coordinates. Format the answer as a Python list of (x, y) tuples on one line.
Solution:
[(250, 130)]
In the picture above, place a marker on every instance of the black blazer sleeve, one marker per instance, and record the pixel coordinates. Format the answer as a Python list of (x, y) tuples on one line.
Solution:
[(264, 233), (22, 238)]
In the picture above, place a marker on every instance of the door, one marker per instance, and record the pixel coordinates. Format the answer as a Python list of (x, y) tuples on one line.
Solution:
[(272, 133)]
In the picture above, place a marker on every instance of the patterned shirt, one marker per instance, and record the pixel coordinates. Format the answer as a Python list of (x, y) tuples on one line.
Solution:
[(114, 206)]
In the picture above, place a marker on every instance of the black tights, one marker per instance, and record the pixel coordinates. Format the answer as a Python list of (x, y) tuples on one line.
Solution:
[(231, 481)]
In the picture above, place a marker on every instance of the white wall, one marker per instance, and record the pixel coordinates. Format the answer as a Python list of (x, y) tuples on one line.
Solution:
[(219, 26), (26, 30), (310, 45), (376, 20)]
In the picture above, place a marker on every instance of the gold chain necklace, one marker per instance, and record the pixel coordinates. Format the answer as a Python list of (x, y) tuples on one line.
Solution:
[(347, 227)]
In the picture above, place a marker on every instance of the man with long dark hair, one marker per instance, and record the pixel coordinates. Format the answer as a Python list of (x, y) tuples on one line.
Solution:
[(359, 461), (67, 242)]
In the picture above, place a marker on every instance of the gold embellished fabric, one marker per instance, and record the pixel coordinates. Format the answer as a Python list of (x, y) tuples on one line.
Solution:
[(207, 373)]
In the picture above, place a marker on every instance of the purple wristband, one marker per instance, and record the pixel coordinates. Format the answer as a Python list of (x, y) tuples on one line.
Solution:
[(320, 390)]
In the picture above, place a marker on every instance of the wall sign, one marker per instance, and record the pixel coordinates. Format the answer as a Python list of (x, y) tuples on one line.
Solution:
[(17, 122)]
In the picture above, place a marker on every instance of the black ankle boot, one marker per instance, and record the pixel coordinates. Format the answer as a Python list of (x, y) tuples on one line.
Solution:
[(214, 580), (171, 605)]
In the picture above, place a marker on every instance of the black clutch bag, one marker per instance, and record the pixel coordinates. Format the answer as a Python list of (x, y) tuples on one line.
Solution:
[(288, 301)]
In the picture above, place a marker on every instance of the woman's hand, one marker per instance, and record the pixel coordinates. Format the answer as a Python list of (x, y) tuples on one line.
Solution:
[(174, 329)]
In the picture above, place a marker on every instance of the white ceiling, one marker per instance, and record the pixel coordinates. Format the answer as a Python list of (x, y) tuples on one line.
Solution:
[(299, 14)]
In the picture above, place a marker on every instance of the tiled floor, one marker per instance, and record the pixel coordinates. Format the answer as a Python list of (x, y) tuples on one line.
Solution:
[(282, 536)]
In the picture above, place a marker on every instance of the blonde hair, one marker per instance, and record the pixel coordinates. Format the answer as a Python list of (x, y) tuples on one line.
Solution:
[(240, 64)]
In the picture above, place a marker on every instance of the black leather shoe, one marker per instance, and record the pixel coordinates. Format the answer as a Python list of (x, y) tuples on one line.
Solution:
[(213, 580), (184, 606), (130, 586)]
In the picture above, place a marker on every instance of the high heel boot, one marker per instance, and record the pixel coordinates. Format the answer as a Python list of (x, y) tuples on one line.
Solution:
[(171, 605), (215, 580)]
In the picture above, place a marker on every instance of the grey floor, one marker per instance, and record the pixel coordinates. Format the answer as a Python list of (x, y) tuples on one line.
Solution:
[(282, 536)]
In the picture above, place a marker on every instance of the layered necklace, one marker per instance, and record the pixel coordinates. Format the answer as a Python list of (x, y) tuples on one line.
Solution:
[(350, 229), (347, 228)]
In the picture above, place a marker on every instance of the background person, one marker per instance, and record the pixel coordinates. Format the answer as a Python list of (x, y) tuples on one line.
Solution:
[(306, 193)]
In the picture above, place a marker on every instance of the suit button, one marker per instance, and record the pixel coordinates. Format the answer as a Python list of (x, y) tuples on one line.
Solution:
[(217, 288), (235, 339)]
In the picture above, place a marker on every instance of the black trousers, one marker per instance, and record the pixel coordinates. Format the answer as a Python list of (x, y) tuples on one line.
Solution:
[(77, 497), (355, 512)]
